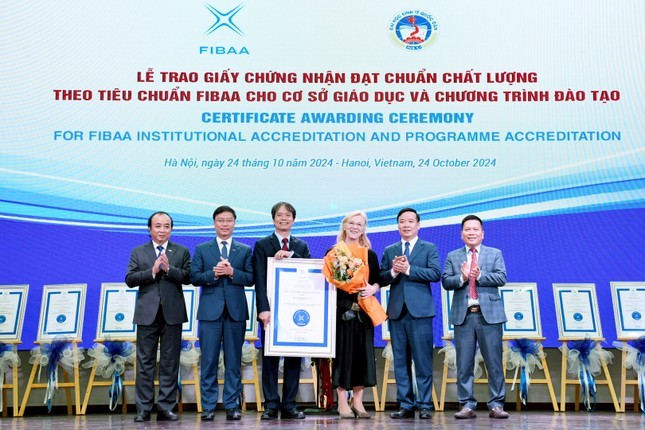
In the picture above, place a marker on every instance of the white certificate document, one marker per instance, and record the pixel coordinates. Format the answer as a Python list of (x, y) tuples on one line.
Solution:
[(446, 306), (13, 299), (303, 309), (62, 311), (577, 308), (522, 310), (251, 332), (191, 299), (385, 327), (629, 309), (117, 312)]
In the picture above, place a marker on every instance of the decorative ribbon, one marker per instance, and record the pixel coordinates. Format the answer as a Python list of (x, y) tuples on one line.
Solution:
[(585, 359), (110, 359), (635, 359), (523, 355), (451, 359), (249, 353), (305, 364), (8, 358), (52, 355)]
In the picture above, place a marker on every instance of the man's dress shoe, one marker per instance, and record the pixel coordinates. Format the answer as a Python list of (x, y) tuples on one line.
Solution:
[(208, 415), (166, 416), (142, 416), (402, 413), (233, 414), (292, 414), (465, 413), (269, 414)]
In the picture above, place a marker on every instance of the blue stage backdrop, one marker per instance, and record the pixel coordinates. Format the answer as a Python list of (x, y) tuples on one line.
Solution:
[(529, 114)]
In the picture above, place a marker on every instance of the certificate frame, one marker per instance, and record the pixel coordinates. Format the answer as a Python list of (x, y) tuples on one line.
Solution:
[(629, 309), (385, 327), (303, 309), (577, 311), (61, 313), (116, 312), (446, 306), (251, 332), (191, 300), (13, 300), (522, 309)]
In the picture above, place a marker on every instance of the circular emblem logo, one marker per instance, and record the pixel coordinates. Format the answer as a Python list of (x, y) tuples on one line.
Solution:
[(119, 317), (301, 318), (636, 315), (61, 318), (577, 316), (519, 316), (3, 319), (413, 30)]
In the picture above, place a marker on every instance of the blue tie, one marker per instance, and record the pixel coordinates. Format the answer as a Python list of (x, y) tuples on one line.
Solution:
[(224, 250), (407, 250), (160, 248)]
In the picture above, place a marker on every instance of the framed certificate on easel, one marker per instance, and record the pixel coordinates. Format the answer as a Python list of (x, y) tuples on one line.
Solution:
[(116, 312), (446, 304), (629, 309), (191, 298), (385, 327), (303, 309), (251, 332), (13, 300), (522, 310), (61, 312), (577, 310)]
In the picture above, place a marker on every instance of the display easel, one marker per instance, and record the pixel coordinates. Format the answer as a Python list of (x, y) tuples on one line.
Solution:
[(66, 384), (255, 382), (387, 380), (546, 380), (13, 386), (624, 382), (565, 381)]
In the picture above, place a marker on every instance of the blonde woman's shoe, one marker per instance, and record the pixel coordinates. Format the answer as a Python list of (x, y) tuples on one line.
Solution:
[(348, 413), (360, 414)]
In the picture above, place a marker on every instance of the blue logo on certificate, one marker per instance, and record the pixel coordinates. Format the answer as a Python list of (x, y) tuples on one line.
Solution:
[(519, 316), (61, 319), (577, 316), (301, 318), (119, 317), (3, 319), (635, 315)]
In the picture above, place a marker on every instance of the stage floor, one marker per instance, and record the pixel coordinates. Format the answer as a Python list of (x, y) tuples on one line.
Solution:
[(251, 420)]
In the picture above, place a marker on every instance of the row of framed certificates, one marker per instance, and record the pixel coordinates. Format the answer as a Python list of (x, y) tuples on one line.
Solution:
[(303, 304)]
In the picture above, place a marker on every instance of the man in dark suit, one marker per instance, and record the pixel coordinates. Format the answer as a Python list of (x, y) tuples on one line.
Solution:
[(280, 244), (158, 268), (222, 267), (410, 266), (475, 272)]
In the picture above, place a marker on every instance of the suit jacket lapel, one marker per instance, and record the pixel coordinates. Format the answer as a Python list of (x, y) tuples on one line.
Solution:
[(232, 253), (416, 250), (151, 252), (170, 252)]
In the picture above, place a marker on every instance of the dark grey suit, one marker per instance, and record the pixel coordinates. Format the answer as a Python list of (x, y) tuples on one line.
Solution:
[(483, 328), (159, 314)]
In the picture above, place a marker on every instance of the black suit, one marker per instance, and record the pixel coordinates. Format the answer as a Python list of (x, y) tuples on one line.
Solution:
[(265, 248), (159, 314)]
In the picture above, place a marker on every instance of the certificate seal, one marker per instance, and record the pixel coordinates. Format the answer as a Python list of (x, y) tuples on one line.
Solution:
[(61, 319), (519, 316), (577, 316), (119, 317), (3, 319), (635, 315), (301, 317)]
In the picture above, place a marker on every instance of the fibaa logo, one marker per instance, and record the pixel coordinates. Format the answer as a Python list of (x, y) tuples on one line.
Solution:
[(224, 19), (414, 30)]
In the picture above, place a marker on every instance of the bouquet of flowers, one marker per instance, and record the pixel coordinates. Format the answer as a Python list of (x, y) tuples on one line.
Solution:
[(345, 267)]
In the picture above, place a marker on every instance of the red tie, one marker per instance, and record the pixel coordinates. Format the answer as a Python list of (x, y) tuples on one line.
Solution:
[(472, 282), (284, 244)]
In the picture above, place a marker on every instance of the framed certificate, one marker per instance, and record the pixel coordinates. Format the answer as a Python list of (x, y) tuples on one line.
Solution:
[(385, 327), (13, 299), (446, 304), (577, 309), (522, 310), (191, 298), (251, 332), (303, 309), (116, 312), (629, 309), (61, 312)]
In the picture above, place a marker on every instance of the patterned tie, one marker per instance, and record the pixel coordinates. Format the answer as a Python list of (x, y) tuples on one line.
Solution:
[(407, 250), (285, 241), (160, 248), (472, 282), (224, 250)]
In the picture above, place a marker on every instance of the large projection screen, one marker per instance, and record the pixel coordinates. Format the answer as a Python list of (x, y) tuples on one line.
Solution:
[(528, 114)]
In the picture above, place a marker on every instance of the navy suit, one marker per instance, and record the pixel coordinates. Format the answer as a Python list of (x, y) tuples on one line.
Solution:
[(265, 248), (483, 328), (159, 313), (410, 310), (222, 315)]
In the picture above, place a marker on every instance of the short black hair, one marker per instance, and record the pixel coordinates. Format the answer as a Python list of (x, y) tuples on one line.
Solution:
[(287, 206), (159, 213), (408, 210), (470, 218), (224, 208)]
